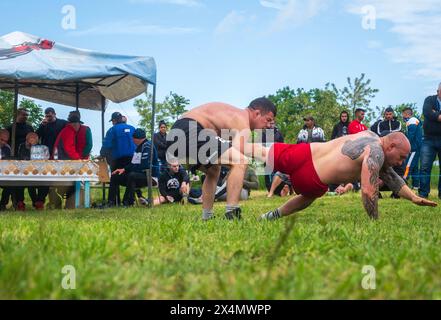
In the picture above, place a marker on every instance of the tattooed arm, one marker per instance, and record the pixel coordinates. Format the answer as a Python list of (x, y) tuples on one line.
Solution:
[(370, 172), (397, 184), (392, 180)]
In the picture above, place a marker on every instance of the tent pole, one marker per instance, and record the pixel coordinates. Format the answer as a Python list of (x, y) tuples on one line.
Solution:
[(77, 96), (14, 120), (152, 131), (103, 110)]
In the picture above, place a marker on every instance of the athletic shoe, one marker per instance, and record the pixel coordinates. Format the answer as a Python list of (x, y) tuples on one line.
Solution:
[(143, 201), (21, 206), (194, 200), (39, 205), (233, 214)]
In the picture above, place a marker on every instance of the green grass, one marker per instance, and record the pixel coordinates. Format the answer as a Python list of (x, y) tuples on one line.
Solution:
[(169, 253)]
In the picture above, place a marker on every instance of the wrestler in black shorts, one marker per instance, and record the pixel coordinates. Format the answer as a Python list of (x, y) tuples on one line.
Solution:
[(214, 145)]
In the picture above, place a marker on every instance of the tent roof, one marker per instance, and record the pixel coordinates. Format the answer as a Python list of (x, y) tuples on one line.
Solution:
[(54, 72)]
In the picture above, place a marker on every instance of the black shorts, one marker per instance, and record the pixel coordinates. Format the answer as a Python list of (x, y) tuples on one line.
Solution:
[(191, 144)]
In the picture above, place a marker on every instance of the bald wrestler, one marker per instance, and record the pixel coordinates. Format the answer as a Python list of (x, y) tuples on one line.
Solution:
[(312, 167), (216, 134)]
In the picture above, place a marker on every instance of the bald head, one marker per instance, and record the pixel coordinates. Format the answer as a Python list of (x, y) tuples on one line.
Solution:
[(396, 148)]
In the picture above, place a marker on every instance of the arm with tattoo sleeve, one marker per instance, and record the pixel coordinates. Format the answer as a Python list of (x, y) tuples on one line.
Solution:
[(392, 179), (370, 171), (397, 184)]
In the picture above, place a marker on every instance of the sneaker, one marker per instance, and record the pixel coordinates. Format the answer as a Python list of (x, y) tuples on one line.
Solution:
[(208, 217), (20, 206), (39, 205), (233, 214), (194, 200), (143, 201)]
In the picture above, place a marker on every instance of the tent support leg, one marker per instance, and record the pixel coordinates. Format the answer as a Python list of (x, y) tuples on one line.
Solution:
[(152, 131), (103, 110), (14, 120), (77, 96)]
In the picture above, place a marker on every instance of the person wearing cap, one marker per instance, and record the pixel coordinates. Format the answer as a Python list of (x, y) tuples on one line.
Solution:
[(133, 175), (356, 126), (73, 143), (118, 146), (50, 128), (310, 132)]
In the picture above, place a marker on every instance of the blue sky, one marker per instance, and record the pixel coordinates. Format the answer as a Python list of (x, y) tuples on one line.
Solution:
[(234, 51)]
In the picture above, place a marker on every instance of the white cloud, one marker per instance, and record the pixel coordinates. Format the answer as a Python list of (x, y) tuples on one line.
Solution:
[(230, 23), (188, 3), (294, 12), (133, 28), (418, 27), (273, 4)]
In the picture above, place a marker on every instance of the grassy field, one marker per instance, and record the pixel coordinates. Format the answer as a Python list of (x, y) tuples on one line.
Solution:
[(169, 253)]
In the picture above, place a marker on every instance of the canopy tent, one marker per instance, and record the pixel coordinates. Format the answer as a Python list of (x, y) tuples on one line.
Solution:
[(43, 69)]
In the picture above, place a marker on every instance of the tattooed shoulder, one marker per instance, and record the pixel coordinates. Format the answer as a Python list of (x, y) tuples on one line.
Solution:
[(355, 148)]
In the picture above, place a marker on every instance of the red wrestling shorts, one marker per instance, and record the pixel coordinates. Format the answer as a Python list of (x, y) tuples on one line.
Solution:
[(296, 161)]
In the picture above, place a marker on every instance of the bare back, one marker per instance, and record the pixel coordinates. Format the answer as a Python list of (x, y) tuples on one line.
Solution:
[(218, 116), (335, 165)]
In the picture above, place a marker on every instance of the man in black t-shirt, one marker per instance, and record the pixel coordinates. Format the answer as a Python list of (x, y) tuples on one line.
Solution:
[(174, 184)]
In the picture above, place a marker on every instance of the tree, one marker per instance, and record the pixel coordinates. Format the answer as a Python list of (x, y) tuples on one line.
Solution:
[(173, 106), (144, 108), (357, 94), (294, 105), (7, 109)]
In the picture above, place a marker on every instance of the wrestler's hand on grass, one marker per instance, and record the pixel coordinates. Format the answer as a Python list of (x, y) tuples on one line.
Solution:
[(119, 171), (423, 202)]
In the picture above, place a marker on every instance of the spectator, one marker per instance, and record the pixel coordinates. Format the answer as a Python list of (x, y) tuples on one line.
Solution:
[(174, 184), (133, 176), (431, 143), (5, 153), (414, 134), (160, 142), (49, 128), (356, 126), (22, 128), (310, 132), (344, 188), (250, 182), (341, 128), (48, 132), (272, 135), (281, 186), (386, 125), (5, 149), (75, 140), (118, 143), (73, 143), (28, 151)]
